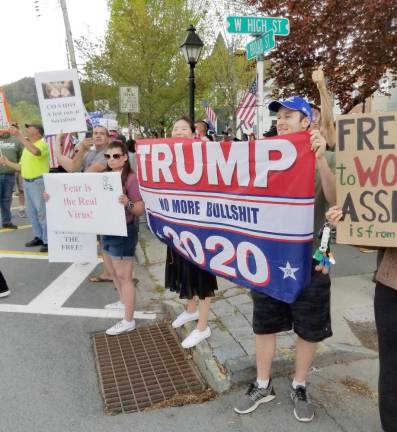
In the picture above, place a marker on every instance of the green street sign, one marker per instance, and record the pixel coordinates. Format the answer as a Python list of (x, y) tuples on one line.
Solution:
[(261, 45), (258, 25)]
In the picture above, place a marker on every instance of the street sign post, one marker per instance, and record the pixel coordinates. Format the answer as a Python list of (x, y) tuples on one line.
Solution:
[(129, 99), (264, 29), (261, 45), (258, 25)]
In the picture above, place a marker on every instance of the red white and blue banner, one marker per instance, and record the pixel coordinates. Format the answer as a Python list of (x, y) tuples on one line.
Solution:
[(240, 210)]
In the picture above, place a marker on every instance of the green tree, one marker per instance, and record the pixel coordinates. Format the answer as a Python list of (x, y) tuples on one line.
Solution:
[(228, 75), (25, 112), (141, 47)]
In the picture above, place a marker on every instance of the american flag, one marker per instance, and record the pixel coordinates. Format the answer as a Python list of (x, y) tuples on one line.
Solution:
[(210, 114), (67, 148), (246, 110)]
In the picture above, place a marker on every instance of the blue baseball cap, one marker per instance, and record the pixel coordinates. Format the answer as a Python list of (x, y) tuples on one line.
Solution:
[(295, 103)]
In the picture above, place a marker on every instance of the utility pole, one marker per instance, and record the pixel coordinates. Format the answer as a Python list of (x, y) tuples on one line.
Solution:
[(69, 39)]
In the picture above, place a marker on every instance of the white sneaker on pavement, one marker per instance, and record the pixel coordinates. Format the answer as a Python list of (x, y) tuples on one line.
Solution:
[(195, 337), (185, 317), (22, 213), (121, 327), (115, 306)]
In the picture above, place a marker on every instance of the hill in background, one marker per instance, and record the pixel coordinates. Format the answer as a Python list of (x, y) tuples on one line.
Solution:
[(21, 90)]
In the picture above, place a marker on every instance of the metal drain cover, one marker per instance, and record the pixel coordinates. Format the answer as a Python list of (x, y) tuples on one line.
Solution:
[(142, 368)]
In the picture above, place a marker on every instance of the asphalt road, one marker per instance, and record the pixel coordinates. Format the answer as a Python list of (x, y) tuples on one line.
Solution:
[(49, 382)]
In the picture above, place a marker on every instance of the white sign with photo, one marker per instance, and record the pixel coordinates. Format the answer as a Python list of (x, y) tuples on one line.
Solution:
[(72, 247), (129, 99), (85, 203), (61, 104)]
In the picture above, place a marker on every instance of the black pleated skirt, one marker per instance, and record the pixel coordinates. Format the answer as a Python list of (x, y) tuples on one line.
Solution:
[(188, 280)]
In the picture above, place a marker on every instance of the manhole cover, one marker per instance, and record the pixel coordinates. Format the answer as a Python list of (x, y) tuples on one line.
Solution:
[(143, 368)]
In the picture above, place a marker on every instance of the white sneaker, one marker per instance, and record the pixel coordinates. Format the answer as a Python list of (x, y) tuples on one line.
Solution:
[(195, 337), (5, 293), (115, 306), (121, 327), (22, 213), (185, 317)]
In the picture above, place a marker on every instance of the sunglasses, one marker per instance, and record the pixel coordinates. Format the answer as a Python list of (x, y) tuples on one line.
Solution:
[(115, 156)]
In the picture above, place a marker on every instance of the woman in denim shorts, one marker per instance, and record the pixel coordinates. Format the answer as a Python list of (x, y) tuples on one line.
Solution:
[(118, 251)]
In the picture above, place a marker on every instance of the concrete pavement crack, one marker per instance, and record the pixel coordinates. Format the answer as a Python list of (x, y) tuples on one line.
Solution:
[(341, 428)]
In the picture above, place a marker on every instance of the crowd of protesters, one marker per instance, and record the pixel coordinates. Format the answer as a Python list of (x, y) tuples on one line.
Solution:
[(309, 316)]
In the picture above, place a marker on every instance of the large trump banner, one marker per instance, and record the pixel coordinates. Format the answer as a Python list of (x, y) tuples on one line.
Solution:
[(240, 210)]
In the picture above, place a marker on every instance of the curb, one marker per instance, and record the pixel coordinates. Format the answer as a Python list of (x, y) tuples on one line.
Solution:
[(222, 377)]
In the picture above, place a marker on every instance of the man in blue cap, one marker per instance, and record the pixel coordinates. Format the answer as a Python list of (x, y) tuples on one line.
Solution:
[(309, 315)]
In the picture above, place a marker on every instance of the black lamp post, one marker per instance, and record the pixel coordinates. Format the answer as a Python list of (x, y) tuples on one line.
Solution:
[(191, 50)]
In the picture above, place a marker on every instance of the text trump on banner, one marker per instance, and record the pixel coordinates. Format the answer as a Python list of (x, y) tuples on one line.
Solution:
[(241, 210), (367, 178)]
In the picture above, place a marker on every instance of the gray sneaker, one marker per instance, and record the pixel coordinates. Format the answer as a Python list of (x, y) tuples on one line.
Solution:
[(253, 397), (304, 409)]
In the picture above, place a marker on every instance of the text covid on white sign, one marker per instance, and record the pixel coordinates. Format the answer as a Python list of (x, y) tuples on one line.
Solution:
[(61, 104)]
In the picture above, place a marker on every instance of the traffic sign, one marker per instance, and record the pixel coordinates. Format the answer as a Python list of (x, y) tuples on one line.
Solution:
[(261, 45), (129, 99), (258, 25)]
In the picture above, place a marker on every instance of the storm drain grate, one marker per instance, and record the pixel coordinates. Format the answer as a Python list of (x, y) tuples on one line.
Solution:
[(143, 368)]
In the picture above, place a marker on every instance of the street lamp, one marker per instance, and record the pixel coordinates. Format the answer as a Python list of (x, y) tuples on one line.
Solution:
[(191, 50)]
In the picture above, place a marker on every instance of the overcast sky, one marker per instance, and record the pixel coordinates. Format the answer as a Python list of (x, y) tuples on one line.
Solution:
[(36, 44)]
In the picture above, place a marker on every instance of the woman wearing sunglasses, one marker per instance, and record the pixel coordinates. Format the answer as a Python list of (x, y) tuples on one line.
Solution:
[(118, 251), (190, 281)]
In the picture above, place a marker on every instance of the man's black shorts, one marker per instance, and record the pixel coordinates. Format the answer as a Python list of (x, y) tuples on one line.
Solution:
[(309, 315)]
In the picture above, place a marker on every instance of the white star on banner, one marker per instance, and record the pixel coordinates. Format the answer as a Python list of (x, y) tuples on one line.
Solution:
[(289, 271)]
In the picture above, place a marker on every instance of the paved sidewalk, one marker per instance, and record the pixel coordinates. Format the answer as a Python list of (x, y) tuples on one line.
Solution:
[(228, 356)]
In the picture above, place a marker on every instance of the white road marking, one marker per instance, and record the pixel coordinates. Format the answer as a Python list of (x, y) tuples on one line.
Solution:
[(59, 290), (77, 312), (51, 299)]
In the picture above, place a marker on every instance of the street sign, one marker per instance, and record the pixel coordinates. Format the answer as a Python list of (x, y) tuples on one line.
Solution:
[(258, 25), (261, 45), (129, 99)]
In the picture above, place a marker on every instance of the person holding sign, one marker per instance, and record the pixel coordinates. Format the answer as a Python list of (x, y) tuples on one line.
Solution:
[(118, 251), (87, 159), (309, 315), (385, 305), (324, 117), (187, 279), (90, 157), (33, 164)]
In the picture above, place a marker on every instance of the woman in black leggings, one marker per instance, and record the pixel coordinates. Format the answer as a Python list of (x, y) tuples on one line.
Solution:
[(385, 306)]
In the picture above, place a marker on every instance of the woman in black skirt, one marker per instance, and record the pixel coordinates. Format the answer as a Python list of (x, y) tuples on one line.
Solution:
[(4, 290), (185, 278)]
